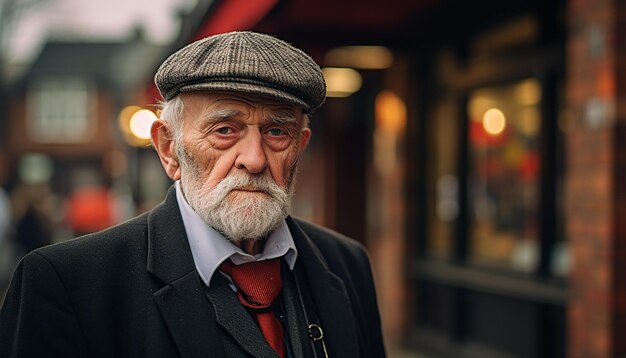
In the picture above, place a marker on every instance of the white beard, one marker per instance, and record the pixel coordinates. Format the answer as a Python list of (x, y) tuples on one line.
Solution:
[(237, 215)]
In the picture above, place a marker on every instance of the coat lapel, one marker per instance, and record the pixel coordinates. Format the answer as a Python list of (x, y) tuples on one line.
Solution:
[(232, 316), (181, 299), (330, 296)]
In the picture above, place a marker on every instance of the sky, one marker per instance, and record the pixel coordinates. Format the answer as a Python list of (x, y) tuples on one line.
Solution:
[(93, 20)]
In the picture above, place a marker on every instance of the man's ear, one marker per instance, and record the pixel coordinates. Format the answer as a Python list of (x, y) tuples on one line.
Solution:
[(163, 142), (305, 137)]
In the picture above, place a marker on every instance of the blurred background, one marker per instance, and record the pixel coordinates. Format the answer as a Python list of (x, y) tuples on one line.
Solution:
[(475, 147)]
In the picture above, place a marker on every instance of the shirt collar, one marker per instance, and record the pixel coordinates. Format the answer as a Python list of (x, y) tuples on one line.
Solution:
[(209, 248)]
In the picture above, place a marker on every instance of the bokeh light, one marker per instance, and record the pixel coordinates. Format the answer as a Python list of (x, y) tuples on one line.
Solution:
[(341, 82), (140, 123), (494, 121)]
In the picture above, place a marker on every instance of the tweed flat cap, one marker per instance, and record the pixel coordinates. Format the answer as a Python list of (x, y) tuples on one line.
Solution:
[(244, 61)]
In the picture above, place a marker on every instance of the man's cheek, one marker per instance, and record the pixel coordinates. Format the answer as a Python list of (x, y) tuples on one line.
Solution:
[(221, 165)]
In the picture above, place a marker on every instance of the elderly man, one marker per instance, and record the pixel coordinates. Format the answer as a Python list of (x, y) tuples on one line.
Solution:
[(219, 269)]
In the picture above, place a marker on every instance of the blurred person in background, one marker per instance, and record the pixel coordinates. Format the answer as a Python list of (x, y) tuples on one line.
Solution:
[(220, 268), (32, 203), (25, 213), (33, 224)]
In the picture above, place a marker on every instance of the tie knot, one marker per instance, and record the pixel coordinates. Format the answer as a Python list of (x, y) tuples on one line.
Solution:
[(258, 283)]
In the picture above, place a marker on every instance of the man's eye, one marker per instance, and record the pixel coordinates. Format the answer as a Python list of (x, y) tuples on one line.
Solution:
[(224, 130), (276, 131)]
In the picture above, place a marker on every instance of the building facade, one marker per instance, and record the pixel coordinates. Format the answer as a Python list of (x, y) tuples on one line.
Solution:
[(481, 166)]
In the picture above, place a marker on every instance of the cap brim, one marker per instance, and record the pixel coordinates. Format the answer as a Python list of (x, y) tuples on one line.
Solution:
[(247, 88)]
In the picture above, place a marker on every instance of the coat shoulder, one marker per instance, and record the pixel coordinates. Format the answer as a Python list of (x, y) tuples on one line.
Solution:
[(127, 237)]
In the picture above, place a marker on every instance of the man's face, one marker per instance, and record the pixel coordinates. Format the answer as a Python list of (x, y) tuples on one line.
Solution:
[(237, 156)]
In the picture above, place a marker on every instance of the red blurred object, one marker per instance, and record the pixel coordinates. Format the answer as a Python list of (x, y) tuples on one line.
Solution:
[(89, 209)]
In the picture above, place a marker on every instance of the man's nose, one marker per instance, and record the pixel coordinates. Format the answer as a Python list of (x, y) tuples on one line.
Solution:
[(251, 155)]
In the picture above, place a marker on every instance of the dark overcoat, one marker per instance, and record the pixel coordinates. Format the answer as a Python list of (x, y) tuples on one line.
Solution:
[(133, 291)]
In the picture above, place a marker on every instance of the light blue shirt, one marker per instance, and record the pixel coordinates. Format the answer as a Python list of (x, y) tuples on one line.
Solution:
[(210, 248)]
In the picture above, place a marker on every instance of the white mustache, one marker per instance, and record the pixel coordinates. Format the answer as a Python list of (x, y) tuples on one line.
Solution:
[(244, 181)]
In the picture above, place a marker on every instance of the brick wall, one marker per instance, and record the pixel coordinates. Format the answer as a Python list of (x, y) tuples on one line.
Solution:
[(595, 178)]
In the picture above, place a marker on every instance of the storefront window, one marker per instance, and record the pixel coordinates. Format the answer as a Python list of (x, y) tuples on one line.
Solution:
[(504, 175)]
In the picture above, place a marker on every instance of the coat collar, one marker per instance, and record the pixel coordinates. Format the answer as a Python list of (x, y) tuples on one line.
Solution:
[(181, 300), (169, 255)]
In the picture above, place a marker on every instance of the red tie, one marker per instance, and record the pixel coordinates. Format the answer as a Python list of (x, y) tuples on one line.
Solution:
[(258, 285)]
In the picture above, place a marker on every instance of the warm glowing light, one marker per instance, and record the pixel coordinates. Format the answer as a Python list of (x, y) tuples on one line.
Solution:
[(140, 123), (362, 57), (341, 82), (390, 112), (494, 121)]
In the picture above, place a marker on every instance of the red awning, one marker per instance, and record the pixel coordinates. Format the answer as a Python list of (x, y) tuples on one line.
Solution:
[(232, 15)]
